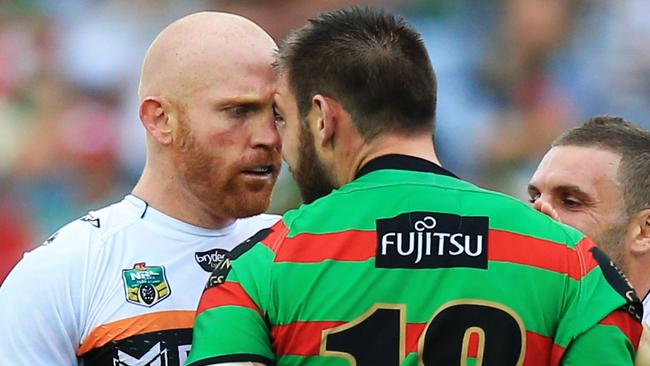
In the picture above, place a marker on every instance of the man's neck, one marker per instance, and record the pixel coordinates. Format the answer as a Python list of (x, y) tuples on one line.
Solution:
[(164, 193), (420, 146), (640, 279)]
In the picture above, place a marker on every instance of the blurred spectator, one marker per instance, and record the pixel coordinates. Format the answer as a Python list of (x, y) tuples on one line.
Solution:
[(609, 66), (508, 106)]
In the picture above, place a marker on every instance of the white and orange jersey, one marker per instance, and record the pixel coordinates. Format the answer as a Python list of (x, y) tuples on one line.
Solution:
[(117, 287)]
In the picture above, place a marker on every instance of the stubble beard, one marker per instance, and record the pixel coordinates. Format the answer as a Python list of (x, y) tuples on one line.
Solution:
[(313, 179), (612, 242), (214, 182)]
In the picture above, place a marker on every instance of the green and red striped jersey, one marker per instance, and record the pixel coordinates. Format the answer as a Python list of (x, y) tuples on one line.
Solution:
[(409, 265)]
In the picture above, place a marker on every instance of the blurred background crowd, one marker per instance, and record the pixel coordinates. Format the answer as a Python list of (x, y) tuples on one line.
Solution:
[(512, 74)]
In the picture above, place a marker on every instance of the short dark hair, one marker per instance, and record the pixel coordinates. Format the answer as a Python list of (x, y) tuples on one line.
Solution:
[(631, 142), (371, 61)]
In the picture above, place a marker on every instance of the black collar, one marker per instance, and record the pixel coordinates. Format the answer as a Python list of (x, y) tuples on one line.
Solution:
[(403, 162)]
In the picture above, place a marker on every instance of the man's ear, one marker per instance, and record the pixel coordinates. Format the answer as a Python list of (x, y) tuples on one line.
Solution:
[(328, 113), (639, 232), (155, 118)]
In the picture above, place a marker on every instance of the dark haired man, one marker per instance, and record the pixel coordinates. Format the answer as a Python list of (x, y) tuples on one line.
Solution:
[(403, 263), (596, 178)]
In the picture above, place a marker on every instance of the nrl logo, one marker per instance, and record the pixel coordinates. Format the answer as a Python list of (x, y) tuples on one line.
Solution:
[(145, 285)]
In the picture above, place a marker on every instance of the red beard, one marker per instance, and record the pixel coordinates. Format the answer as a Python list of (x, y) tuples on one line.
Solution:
[(219, 184)]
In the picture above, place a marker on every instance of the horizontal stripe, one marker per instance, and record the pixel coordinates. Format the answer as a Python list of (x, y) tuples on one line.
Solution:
[(339, 290), (141, 324), (228, 293), (304, 339), (627, 324), (541, 253), (350, 245), (300, 338), (503, 246)]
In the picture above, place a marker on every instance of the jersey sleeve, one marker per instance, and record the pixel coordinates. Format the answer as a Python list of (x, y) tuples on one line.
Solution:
[(231, 322), (40, 305), (603, 321)]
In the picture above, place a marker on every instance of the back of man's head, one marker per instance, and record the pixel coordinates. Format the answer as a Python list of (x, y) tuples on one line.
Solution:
[(372, 62), (628, 140)]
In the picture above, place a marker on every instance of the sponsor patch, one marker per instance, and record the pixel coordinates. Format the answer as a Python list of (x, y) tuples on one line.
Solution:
[(219, 274), (617, 279), (432, 240), (145, 285), (210, 259)]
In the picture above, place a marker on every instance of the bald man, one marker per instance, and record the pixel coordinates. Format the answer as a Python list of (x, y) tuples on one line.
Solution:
[(120, 285)]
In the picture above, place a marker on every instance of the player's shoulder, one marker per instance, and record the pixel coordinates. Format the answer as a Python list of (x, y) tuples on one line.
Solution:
[(79, 235), (65, 255), (252, 231), (616, 280), (255, 228), (261, 220)]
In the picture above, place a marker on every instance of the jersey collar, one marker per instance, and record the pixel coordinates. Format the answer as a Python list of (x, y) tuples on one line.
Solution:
[(403, 162)]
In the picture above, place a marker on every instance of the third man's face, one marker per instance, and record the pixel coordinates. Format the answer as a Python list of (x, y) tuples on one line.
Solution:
[(580, 184)]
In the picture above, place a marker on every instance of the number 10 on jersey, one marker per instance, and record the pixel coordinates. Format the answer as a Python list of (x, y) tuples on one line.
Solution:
[(378, 336)]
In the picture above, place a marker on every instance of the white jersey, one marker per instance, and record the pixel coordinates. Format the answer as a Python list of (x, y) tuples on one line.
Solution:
[(118, 287)]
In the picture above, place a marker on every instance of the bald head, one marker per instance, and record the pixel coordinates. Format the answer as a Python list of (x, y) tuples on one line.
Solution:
[(201, 49)]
